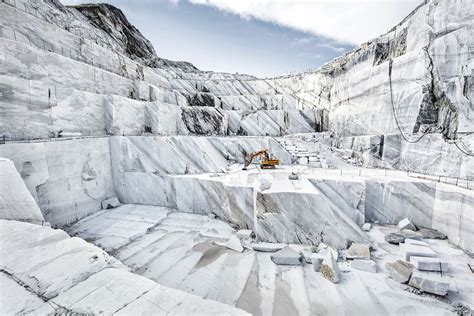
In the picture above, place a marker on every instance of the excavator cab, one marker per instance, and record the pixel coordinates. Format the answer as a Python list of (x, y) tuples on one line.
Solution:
[(266, 162)]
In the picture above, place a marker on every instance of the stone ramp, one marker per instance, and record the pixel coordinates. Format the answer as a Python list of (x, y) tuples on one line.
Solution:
[(181, 251), (44, 271)]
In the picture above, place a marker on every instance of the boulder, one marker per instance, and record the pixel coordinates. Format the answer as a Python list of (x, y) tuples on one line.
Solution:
[(110, 203), (267, 247), (406, 224), (429, 264), (429, 233), (323, 249), (399, 270), (400, 236), (329, 268), (286, 256), (308, 255), (244, 234), (366, 227), (429, 283), (358, 251), (316, 261), (364, 265), (408, 250)]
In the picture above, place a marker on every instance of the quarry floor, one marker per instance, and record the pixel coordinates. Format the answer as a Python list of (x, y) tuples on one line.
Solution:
[(186, 252)]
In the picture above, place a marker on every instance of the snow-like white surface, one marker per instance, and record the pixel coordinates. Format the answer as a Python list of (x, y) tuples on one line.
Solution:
[(109, 92), (179, 252), (57, 273)]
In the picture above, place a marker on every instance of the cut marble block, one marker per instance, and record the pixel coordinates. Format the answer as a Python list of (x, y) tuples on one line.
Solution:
[(329, 268), (286, 256), (267, 247), (307, 255), (399, 270), (429, 264), (406, 224), (358, 251), (430, 283), (408, 251), (316, 261)]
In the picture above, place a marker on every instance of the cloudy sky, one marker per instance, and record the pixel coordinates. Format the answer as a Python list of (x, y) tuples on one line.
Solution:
[(260, 37)]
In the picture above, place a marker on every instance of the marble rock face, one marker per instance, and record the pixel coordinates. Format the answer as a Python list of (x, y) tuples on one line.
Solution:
[(67, 179), (452, 214), (389, 201), (16, 203), (416, 78), (297, 217)]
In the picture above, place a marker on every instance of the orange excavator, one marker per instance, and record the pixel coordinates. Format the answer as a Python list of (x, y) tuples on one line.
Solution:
[(265, 161)]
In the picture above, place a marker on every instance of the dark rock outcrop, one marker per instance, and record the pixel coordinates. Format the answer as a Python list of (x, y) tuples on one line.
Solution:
[(113, 22)]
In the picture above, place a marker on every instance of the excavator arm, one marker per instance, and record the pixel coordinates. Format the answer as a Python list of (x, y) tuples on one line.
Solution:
[(266, 162)]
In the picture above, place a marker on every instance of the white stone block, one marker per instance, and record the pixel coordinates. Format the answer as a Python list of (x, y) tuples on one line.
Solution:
[(408, 251), (406, 224), (429, 264), (366, 227), (286, 256), (267, 247), (358, 251), (330, 269), (316, 261), (429, 283)]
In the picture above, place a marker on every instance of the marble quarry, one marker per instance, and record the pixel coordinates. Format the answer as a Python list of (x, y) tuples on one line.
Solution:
[(122, 189)]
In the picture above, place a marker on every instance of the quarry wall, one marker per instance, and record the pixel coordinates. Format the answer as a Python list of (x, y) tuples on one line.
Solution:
[(69, 179)]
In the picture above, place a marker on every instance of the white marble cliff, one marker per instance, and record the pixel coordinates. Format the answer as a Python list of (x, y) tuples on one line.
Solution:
[(127, 169)]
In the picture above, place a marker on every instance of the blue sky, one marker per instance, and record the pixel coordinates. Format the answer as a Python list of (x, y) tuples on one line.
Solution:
[(260, 37)]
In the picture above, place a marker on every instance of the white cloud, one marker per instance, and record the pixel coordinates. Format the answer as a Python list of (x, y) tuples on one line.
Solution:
[(348, 21)]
